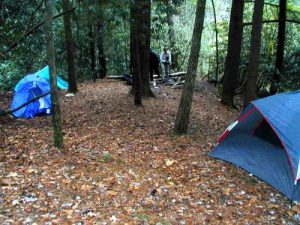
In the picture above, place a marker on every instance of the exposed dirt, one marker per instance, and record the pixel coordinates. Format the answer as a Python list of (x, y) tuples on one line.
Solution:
[(122, 165)]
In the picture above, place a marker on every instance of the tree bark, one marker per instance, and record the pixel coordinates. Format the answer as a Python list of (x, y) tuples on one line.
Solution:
[(79, 50), (252, 69), (143, 37), (56, 116), (217, 42), (183, 113), (233, 58), (2, 12), (171, 33), (92, 52), (141, 13), (137, 72), (280, 42), (102, 61), (131, 43), (70, 48), (135, 56)]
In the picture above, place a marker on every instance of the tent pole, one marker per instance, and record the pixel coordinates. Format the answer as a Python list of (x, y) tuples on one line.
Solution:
[(292, 202), (293, 193)]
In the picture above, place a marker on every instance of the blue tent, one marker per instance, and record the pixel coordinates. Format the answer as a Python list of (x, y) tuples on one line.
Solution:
[(45, 73), (28, 88), (265, 140), (31, 86)]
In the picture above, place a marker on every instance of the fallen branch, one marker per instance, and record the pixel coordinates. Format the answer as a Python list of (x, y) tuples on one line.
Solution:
[(178, 74)]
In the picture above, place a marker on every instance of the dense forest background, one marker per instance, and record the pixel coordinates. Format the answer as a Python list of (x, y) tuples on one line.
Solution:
[(23, 48)]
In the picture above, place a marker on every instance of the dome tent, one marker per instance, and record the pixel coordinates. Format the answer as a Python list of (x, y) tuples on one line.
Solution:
[(265, 141), (45, 73), (30, 87)]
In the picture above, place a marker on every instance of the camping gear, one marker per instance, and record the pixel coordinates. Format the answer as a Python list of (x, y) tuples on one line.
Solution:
[(128, 79), (33, 86), (265, 140)]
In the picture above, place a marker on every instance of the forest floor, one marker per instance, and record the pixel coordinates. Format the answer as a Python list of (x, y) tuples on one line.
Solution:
[(122, 165)]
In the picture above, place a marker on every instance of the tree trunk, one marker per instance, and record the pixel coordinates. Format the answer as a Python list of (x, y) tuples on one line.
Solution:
[(131, 43), (92, 52), (141, 23), (217, 43), (80, 47), (56, 117), (135, 57), (137, 78), (280, 45), (70, 48), (233, 58), (171, 32), (183, 113), (2, 12), (252, 69), (143, 37), (102, 61)]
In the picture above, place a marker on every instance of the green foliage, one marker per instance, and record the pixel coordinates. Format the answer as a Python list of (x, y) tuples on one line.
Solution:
[(143, 217), (17, 17), (106, 156), (10, 75)]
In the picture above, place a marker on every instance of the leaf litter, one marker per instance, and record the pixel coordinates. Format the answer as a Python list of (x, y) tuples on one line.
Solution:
[(122, 165)]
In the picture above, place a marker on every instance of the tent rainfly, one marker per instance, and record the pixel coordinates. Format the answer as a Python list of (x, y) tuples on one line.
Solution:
[(265, 140)]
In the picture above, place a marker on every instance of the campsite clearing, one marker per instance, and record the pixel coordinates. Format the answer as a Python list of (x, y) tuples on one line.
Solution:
[(122, 165)]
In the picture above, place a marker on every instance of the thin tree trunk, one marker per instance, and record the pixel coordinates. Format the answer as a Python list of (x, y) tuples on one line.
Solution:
[(252, 69), (136, 73), (141, 23), (233, 58), (126, 42), (2, 12), (92, 52), (131, 41), (56, 116), (280, 45), (135, 56), (143, 37), (183, 113), (102, 61), (171, 33), (70, 48), (79, 44), (217, 42)]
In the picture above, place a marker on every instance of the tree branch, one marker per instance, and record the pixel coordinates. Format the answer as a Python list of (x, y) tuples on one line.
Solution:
[(4, 113), (266, 3), (35, 11), (27, 33), (293, 21), (270, 4), (273, 21)]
